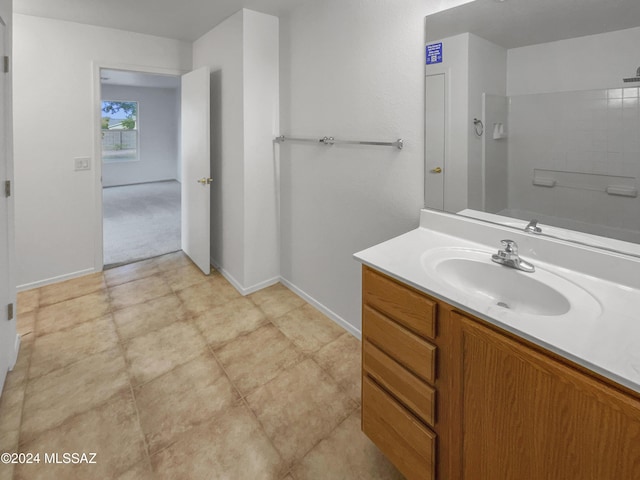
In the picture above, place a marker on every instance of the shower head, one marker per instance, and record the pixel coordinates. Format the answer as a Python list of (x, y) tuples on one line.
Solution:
[(633, 79)]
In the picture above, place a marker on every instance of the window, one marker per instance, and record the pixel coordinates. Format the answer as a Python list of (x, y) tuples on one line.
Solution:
[(119, 131)]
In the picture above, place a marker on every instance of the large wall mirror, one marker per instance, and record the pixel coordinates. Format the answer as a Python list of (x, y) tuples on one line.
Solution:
[(532, 112)]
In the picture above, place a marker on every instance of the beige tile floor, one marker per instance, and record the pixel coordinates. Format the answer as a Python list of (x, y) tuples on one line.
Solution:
[(166, 373)]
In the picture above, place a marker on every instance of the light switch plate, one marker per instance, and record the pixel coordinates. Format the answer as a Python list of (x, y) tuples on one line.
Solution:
[(82, 163)]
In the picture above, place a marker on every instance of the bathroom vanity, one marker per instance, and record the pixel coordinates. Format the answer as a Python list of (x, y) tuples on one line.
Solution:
[(476, 370), (461, 382)]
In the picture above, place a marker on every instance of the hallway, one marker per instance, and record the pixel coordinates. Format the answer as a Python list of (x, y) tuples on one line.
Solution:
[(167, 373)]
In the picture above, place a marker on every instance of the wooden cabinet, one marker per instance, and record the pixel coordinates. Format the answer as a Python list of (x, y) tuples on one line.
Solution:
[(399, 374), (448, 396), (405, 374), (530, 416)]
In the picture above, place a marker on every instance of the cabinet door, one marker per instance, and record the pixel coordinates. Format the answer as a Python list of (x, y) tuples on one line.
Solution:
[(528, 416)]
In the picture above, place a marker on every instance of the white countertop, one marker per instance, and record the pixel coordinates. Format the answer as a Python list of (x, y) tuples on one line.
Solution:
[(605, 340)]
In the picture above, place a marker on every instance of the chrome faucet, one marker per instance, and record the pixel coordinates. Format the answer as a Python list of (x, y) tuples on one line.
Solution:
[(532, 227), (509, 257)]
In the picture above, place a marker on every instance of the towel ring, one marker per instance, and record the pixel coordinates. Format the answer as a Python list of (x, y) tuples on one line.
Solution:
[(478, 126)]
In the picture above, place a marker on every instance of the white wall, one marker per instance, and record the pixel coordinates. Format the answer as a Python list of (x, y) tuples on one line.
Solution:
[(584, 63), (242, 53), (261, 125), (157, 122), (353, 70), (54, 118)]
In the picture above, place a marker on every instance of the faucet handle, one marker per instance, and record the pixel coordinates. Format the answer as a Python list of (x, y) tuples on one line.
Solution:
[(510, 246), (532, 227)]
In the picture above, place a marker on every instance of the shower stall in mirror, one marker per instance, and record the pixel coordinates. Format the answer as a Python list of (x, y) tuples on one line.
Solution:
[(540, 121)]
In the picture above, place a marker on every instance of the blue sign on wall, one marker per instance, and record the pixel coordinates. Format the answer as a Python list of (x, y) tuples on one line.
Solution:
[(434, 53)]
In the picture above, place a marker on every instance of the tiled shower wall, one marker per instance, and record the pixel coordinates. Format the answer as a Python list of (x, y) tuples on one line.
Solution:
[(593, 138)]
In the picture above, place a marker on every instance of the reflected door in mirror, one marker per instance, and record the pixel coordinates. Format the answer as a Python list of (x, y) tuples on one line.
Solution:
[(435, 124)]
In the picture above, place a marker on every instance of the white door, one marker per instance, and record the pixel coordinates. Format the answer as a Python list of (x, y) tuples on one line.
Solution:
[(196, 167), (435, 121), (7, 288)]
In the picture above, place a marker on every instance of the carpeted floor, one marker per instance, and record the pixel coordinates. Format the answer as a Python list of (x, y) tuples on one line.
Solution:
[(140, 221)]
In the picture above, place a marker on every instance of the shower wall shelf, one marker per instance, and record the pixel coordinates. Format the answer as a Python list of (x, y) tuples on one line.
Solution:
[(332, 141), (616, 185)]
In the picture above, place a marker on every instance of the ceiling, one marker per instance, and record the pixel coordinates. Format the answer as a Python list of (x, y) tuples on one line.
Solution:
[(510, 23), (184, 20), (517, 23)]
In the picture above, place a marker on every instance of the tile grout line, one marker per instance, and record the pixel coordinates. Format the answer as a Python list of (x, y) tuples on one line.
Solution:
[(40, 305), (241, 335), (26, 379), (190, 318), (305, 356), (132, 393), (326, 436), (310, 355), (244, 401), (226, 374), (159, 275), (34, 332), (106, 400), (77, 414), (155, 329), (267, 436), (326, 370), (144, 276), (109, 313), (294, 463)]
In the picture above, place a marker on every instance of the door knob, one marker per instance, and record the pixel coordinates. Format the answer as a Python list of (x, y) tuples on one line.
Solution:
[(436, 170), (205, 181)]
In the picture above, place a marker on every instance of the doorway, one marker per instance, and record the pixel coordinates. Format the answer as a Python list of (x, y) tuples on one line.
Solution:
[(140, 164)]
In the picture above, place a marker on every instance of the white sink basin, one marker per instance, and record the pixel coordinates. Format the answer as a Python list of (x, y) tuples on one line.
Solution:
[(503, 286), (472, 273)]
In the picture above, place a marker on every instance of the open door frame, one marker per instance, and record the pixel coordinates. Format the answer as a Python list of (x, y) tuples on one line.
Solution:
[(98, 262)]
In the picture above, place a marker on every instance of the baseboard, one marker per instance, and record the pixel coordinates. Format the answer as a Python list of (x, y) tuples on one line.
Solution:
[(261, 285), (60, 278), (298, 291), (244, 291), (327, 311)]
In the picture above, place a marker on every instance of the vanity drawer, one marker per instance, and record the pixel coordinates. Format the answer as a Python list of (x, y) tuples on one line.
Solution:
[(415, 394), (403, 346), (404, 305), (402, 438)]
